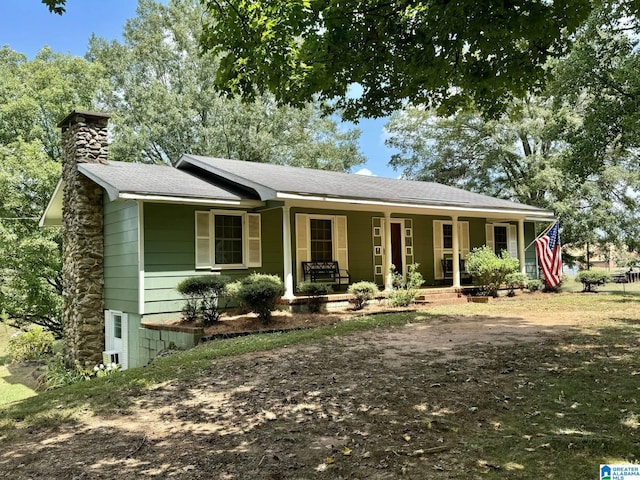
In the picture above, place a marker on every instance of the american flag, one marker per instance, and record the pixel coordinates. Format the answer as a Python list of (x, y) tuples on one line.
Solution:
[(550, 255)]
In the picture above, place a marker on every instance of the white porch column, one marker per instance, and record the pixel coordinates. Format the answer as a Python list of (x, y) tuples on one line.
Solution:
[(521, 252), (455, 246), (388, 277), (288, 258)]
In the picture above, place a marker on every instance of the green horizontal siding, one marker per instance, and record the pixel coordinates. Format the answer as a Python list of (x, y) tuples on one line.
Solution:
[(121, 282), (530, 260), (169, 254), (121, 256), (118, 259), (124, 237)]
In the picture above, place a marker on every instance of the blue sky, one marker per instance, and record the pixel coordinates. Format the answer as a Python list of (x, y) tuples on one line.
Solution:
[(26, 26)]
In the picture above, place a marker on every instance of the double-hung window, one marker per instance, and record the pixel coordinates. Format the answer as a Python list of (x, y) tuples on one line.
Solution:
[(502, 237), (321, 240), (447, 235), (443, 244), (228, 239)]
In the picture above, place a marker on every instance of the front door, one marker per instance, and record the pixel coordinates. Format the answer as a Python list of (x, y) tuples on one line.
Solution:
[(396, 247)]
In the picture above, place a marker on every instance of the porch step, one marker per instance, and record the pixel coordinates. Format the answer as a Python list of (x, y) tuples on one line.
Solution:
[(440, 296), (441, 301)]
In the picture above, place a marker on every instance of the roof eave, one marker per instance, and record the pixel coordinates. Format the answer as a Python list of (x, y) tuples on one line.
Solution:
[(159, 198), (112, 192), (264, 193), (437, 206)]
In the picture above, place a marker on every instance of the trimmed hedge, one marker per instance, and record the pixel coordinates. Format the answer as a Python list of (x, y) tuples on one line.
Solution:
[(315, 292), (362, 292), (260, 292), (202, 295)]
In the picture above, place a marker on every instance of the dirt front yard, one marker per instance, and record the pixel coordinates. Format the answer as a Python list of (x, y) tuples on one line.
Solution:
[(437, 398)]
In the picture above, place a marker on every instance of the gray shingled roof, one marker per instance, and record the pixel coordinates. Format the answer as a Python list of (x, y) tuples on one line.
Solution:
[(144, 179), (267, 180)]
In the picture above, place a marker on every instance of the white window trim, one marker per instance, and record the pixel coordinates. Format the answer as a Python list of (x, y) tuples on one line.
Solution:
[(212, 238), (440, 253), (212, 243), (339, 252), (446, 250), (333, 232), (506, 226), (445, 222), (512, 237)]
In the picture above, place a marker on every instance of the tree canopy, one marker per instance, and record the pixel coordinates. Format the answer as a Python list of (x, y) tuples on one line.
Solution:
[(572, 149), (55, 6), (34, 96), (433, 53), (164, 103), (600, 79)]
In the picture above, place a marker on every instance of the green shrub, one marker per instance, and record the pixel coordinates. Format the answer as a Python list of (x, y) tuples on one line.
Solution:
[(400, 297), (260, 292), (515, 280), (489, 270), (534, 285), (34, 344), (362, 292), (232, 297), (404, 292), (315, 292), (591, 278), (202, 295), (59, 374)]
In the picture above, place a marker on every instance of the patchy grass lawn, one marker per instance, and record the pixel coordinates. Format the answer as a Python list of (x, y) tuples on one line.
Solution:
[(16, 381), (540, 386)]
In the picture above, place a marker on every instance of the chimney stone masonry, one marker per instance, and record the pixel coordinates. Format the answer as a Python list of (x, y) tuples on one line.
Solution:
[(84, 140)]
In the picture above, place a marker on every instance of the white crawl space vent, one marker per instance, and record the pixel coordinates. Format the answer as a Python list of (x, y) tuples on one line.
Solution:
[(110, 356)]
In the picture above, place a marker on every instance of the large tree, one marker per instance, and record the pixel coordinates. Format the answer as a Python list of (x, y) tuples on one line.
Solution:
[(434, 53), (519, 156), (164, 102), (514, 156), (600, 79), (573, 149), (34, 96)]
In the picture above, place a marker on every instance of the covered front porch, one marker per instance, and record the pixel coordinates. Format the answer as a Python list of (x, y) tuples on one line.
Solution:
[(368, 238)]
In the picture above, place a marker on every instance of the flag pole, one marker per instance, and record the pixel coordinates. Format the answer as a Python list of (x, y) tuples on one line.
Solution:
[(542, 234)]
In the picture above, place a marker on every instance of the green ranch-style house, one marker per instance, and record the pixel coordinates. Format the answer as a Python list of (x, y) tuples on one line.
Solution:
[(133, 231)]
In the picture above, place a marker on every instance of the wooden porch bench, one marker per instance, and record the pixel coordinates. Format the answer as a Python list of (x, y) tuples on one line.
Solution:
[(325, 272)]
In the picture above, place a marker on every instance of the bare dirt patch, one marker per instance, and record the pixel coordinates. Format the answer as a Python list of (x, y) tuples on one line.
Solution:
[(389, 403)]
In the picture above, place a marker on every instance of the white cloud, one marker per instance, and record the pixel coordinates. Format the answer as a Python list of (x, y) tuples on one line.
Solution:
[(365, 171)]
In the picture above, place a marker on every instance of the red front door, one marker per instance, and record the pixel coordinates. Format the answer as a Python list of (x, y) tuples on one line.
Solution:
[(396, 247)]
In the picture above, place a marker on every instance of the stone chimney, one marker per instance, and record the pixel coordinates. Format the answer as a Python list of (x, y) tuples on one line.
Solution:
[(84, 140)]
